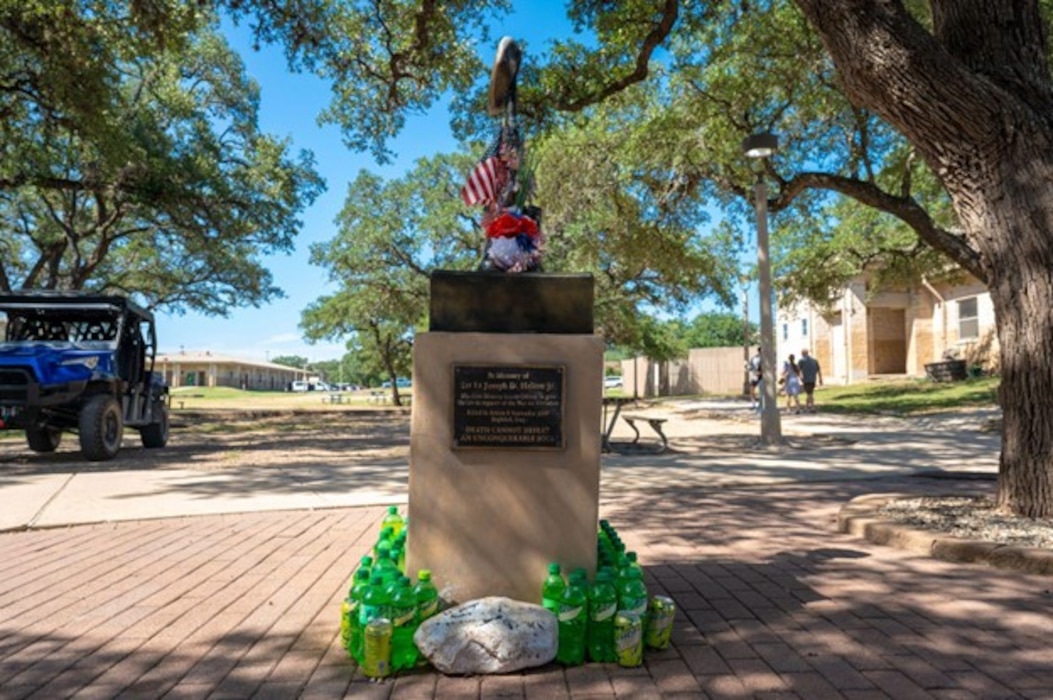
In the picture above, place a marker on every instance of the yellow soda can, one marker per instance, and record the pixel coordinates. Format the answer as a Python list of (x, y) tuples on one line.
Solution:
[(377, 658), (628, 638), (659, 628)]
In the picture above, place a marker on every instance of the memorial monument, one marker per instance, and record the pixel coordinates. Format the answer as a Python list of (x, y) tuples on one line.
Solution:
[(508, 381)]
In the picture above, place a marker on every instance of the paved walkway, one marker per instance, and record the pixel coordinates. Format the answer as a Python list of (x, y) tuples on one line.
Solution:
[(774, 603)]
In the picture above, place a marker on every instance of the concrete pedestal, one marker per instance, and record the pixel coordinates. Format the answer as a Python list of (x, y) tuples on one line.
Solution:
[(487, 520)]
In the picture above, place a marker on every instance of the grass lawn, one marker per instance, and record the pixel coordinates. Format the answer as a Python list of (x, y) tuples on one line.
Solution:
[(908, 396)]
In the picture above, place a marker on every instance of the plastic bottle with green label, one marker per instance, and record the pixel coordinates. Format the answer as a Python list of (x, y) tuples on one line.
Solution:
[(633, 563), (603, 604), (573, 620), (552, 589), (394, 521), (375, 600), (427, 596), (621, 570), (385, 536), (403, 607), (632, 596), (400, 545), (384, 565), (353, 637)]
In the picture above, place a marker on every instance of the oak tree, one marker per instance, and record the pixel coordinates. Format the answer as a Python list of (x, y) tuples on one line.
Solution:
[(966, 83)]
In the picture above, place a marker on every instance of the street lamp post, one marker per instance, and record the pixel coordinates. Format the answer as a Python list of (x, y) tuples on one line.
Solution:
[(745, 338), (763, 146)]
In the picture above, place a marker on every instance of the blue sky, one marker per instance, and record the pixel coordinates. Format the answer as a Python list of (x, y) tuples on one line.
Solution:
[(289, 106)]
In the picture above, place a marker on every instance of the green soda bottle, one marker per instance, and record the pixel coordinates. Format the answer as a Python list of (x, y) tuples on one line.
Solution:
[(621, 570), (603, 604), (385, 536), (400, 546), (366, 564), (573, 616), (633, 563), (350, 625), (347, 610), (384, 565), (552, 589), (403, 606), (375, 600), (632, 596), (394, 521), (427, 596)]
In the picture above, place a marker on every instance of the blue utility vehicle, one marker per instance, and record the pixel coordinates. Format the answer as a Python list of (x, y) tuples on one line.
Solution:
[(80, 363)]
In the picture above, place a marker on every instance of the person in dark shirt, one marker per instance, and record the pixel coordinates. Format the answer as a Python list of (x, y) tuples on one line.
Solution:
[(811, 373)]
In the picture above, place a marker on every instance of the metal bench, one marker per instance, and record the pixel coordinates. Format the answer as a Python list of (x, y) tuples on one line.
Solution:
[(656, 425)]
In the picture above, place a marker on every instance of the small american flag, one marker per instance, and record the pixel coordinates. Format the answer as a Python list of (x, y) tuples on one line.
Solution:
[(483, 182)]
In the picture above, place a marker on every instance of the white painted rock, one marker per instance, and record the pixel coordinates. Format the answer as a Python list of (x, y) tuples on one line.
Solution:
[(489, 635)]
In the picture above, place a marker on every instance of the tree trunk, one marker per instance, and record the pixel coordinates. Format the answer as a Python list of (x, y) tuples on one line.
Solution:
[(1020, 279), (974, 100), (1025, 331)]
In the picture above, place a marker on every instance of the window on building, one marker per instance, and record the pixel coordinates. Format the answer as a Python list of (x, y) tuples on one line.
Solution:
[(968, 319), (804, 328)]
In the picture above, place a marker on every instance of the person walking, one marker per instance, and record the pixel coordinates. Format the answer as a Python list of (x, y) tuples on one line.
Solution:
[(810, 373), (754, 367), (791, 378)]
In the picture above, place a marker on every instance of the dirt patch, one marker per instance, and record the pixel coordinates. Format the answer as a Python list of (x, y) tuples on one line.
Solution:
[(214, 440)]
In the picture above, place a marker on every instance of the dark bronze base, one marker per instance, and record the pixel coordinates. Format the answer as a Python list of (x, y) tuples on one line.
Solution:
[(498, 302)]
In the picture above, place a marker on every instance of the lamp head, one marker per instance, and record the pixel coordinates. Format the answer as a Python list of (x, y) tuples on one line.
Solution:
[(761, 145)]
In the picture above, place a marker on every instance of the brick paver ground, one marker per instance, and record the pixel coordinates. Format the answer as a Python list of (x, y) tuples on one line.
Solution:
[(773, 603)]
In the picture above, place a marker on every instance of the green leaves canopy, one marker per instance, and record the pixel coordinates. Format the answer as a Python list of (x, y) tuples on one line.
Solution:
[(166, 190)]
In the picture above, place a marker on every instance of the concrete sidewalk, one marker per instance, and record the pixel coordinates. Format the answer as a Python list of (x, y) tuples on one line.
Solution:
[(711, 445), (773, 601)]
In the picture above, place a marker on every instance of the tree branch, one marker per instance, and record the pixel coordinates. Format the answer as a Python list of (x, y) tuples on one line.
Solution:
[(906, 209), (658, 34)]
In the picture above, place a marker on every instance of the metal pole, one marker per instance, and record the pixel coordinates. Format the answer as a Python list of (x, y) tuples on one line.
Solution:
[(745, 340), (771, 427)]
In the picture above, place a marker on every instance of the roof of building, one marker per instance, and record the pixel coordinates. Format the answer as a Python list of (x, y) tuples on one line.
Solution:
[(208, 357)]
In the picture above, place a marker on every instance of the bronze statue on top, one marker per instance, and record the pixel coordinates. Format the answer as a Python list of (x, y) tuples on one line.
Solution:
[(513, 231)]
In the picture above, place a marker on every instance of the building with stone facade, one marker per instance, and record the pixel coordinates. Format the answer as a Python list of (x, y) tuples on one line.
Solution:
[(208, 369), (864, 334)]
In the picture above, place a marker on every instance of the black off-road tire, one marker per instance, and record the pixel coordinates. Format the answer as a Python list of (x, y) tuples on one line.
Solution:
[(156, 434), (101, 428), (43, 439)]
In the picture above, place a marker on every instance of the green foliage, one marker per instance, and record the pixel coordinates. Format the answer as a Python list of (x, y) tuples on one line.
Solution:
[(391, 234), (290, 361), (673, 126), (609, 211), (177, 205), (63, 62), (718, 330), (384, 59)]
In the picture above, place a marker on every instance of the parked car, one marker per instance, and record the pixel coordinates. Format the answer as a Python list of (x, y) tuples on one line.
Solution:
[(612, 382), (84, 364), (298, 386), (401, 383)]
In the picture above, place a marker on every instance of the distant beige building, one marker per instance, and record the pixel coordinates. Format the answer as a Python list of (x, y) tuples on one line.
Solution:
[(859, 336), (207, 369), (864, 334)]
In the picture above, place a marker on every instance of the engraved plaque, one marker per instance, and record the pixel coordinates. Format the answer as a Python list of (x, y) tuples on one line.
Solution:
[(508, 407)]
